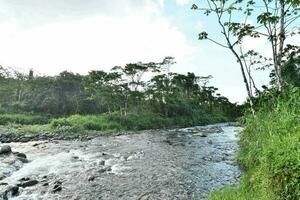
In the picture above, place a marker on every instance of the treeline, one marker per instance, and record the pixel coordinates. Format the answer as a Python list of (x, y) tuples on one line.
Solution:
[(133, 88)]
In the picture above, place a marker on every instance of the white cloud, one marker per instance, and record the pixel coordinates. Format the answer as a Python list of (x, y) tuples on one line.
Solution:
[(90, 43)]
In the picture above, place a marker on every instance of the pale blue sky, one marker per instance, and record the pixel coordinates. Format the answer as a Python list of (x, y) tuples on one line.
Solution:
[(80, 35)]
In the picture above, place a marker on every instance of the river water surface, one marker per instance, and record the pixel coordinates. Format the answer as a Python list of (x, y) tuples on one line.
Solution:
[(157, 164)]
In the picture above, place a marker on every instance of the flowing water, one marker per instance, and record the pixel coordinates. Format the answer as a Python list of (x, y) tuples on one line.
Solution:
[(156, 164)]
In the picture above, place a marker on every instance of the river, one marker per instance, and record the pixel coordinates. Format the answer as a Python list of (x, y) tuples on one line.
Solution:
[(155, 164)]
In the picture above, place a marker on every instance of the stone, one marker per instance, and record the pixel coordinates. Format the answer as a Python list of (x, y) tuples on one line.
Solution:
[(45, 184), (2, 176), (91, 178), (23, 160), (9, 191), (21, 155), (29, 183), (6, 149), (200, 134), (57, 187), (102, 162)]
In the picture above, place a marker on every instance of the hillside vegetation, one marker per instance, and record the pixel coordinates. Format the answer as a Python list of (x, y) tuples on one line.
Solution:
[(133, 97), (270, 152)]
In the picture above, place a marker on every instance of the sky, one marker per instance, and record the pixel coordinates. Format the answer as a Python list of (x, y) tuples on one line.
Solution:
[(50, 36)]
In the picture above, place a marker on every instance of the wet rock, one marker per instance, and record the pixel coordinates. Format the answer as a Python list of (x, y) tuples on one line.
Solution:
[(75, 157), (8, 191), (21, 155), (24, 179), (29, 183), (102, 162), (45, 184), (6, 149), (91, 178), (168, 142), (104, 169), (2, 176), (200, 134), (23, 160), (36, 144), (57, 187)]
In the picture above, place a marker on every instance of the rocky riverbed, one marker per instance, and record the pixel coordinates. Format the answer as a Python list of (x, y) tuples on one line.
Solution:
[(157, 164)]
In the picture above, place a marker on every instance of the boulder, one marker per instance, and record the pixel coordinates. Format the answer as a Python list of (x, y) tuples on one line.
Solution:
[(6, 149), (23, 160), (57, 186), (8, 191), (21, 155), (28, 183)]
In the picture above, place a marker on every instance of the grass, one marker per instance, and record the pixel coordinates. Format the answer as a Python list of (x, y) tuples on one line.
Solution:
[(270, 153), (108, 123), (23, 119), (132, 121)]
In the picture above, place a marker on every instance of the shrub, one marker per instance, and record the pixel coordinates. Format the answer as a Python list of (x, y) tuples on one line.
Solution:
[(24, 119), (270, 152)]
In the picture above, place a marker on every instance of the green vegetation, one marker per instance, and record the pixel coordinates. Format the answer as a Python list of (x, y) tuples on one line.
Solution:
[(270, 151), (270, 145), (121, 99), (270, 142), (132, 121), (23, 119)]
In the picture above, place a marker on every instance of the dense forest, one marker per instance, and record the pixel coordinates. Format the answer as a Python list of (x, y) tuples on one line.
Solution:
[(123, 95)]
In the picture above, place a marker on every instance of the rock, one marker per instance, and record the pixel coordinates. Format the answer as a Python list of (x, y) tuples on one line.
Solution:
[(28, 183), (9, 191), (24, 179), (200, 134), (2, 176), (45, 184), (75, 157), (21, 155), (102, 162), (91, 178), (6, 149), (57, 187), (23, 160), (105, 169)]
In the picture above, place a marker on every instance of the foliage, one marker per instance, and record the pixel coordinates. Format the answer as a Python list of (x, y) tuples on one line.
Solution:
[(132, 121), (123, 90), (24, 119), (270, 151)]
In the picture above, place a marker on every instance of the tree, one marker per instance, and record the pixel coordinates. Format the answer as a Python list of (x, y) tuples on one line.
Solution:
[(274, 20)]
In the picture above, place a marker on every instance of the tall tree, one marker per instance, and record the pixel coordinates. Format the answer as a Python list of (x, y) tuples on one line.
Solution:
[(240, 19)]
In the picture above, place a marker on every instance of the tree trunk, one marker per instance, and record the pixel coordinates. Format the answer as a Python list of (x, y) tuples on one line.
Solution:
[(281, 43), (245, 79)]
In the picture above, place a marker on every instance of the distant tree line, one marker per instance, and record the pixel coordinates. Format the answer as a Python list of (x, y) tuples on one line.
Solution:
[(135, 87)]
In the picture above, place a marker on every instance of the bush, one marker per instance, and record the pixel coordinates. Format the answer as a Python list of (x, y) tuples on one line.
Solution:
[(79, 123), (270, 152), (24, 119)]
